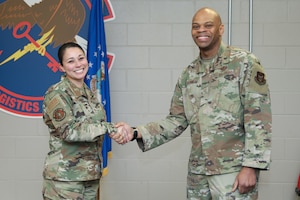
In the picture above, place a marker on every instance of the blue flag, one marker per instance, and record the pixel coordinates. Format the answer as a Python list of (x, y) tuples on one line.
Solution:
[(97, 77)]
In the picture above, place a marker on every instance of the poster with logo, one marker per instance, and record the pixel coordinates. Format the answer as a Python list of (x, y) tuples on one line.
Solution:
[(31, 32)]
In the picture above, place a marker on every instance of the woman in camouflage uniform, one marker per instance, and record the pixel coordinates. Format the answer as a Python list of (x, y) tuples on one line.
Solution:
[(77, 123)]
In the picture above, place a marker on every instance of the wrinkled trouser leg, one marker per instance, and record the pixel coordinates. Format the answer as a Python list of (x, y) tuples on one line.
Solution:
[(216, 187), (81, 190)]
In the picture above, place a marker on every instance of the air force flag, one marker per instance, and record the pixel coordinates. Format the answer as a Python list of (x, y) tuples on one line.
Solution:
[(97, 77)]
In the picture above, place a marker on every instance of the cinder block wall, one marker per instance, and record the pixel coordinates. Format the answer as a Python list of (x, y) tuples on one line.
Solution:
[(152, 43)]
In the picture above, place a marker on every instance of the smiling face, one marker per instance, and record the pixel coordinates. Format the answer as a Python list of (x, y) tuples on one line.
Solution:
[(75, 65), (207, 31)]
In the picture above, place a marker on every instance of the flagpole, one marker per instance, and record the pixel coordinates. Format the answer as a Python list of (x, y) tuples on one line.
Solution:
[(97, 77), (98, 193)]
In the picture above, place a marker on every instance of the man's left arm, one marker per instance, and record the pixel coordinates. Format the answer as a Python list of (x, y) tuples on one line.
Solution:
[(258, 126), (257, 118)]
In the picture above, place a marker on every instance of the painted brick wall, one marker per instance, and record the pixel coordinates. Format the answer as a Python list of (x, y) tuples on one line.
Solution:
[(152, 43)]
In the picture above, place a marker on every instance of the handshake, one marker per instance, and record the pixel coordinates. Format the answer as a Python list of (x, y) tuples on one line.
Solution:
[(124, 134)]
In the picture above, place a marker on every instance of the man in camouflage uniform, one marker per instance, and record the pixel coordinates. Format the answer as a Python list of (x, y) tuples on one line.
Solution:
[(224, 96)]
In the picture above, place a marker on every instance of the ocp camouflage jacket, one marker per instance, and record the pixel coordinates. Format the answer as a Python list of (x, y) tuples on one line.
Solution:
[(227, 105), (77, 123)]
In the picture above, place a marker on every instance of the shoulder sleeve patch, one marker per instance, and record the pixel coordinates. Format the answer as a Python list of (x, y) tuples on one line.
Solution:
[(258, 82), (57, 109), (260, 78), (59, 114), (53, 103)]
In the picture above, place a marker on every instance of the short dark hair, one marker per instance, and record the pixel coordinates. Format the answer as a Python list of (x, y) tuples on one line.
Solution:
[(63, 47)]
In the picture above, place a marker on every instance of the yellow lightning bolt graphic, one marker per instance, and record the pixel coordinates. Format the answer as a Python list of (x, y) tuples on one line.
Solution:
[(43, 42)]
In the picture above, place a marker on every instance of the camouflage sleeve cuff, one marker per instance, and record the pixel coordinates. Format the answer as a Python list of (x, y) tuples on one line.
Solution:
[(262, 163), (141, 144), (111, 128), (146, 136)]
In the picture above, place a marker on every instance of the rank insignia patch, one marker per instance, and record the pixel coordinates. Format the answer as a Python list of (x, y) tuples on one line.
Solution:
[(260, 78)]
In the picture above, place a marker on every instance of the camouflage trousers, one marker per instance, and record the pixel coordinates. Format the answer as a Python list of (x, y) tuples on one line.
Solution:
[(216, 187), (70, 190)]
